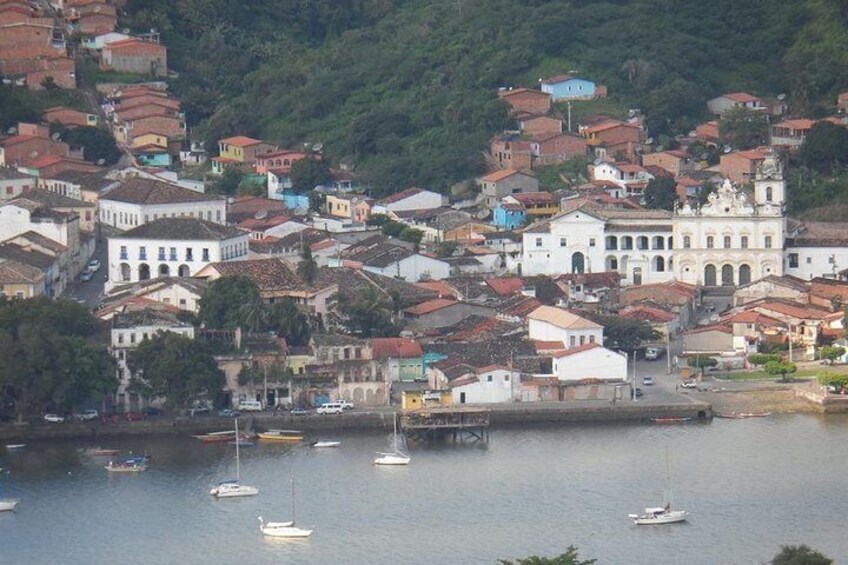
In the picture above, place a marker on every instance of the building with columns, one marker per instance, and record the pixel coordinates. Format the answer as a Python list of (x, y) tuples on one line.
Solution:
[(733, 239)]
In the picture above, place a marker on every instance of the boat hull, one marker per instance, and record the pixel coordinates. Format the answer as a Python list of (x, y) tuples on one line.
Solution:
[(233, 491), (291, 437), (285, 532), (392, 459), (125, 469), (8, 504), (670, 517), (326, 444)]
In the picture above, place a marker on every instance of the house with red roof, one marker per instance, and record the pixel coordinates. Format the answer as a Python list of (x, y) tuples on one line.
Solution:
[(500, 183), (707, 133), (553, 148), (526, 100), (631, 179), (511, 151), (591, 365), (613, 139), (239, 151), (402, 358), (675, 161), (741, 166), (791, 133), (536, 125), (135, 55), (721, 104)]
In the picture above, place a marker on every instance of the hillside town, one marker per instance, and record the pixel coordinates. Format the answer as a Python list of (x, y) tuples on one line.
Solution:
[(512, 291)]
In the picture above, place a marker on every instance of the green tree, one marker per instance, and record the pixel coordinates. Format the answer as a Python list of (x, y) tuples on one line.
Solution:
[(287, 321), (307, 267), (173, 366), (228, 183), (702, 363), (570, 557), (838, 380), (97, 144), (799, 555), (762, 358), (308, 173), (446, 249), (825, 147), (626, 334), (780, 368), (251, 187), (393, 229), (744, 128), (368, 313), (661, 193), (831, 353), (412, 235), (224, 302)]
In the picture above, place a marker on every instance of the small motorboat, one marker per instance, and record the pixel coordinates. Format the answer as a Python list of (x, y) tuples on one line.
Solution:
[(135, 464), (101, 452), (325, 443), (659, 515), (14, 446), (293, 436), (395, 458), (754, 414), (8, 504), (221, 437)]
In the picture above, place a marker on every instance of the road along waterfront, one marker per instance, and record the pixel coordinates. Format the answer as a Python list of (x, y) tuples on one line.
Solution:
[(750, 485)]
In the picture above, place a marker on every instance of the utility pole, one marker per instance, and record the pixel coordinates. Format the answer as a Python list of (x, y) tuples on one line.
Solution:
[(569, 116), (789, 327)]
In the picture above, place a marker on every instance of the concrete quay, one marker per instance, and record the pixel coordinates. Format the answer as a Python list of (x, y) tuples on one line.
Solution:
[(502, 415)]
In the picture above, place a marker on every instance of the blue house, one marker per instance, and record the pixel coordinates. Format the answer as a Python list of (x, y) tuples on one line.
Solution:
[(509, 216), (567, 87), (293, 200), (153, 158)]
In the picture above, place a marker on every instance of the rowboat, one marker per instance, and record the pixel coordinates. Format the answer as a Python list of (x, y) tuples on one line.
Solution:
[(220, 437), (135, 464), (671, 420), (282, 435)]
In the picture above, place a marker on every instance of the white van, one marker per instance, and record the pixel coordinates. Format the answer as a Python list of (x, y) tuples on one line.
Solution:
[(331, 408), (250, 406)]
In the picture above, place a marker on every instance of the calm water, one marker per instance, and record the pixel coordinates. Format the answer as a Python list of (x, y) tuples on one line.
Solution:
[(750, 485)]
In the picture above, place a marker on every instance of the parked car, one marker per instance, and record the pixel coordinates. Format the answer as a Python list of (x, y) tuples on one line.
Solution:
[(299, 411), (109, 418), (94, 265), (87, 415), (689, 383), (647, 380), (250, 406), (151, 411), (228, 413), (653, 353), (330, 408), (345, 404), (134, 416), (86, 275), (638, 392), (54, 418)]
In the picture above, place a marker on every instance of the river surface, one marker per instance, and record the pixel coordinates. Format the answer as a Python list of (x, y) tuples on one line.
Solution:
[(750, 486)]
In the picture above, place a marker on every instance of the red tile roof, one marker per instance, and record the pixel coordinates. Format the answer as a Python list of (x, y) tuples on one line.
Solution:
[(398, 196), (240, 141), (556, 79), (442, 288), (741, 97), (429, 306), (514, 91), (545, 346), (573, 351), (505, 286), (800, 123), (502, 174), (534, 198), (405, 348)]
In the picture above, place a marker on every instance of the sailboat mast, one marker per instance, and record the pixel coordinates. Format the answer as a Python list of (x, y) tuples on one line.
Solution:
[(394, 430), (238, 463), (292, 497), (668, 479)]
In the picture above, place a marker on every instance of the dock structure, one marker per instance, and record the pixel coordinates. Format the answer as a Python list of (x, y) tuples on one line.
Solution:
[(456, 423)]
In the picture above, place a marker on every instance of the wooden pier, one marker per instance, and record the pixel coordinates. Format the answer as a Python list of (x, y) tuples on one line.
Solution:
[(457, 423)]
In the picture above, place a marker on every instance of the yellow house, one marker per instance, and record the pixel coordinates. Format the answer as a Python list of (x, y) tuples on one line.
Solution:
[(238, 150), (298, 358), (354, 207), (536, 204), (418, 399), (156, 139), (18, 280)]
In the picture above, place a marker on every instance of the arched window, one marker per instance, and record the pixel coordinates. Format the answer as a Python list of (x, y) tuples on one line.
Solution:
[(164, 270), (143, 272), (659, 242), (612, 242), (659, 264), (125, 272), (727, 275), (642, 242), (627, 242), (727, 242), (710, 242), (743, 242), (612, 263), (687, 242), (578, 263), (710, 275), (744, 274)]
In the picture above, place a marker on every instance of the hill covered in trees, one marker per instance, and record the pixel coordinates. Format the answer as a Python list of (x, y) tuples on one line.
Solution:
[(408, 88)]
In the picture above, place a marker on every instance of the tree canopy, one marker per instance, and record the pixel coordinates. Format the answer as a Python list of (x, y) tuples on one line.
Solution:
[(780, 368), (661, 193), (825, 147), (800, 555), (225, 300), (744, 128), (48, 360), (570, 557), (368, 313), (626, 334), (176, 367)]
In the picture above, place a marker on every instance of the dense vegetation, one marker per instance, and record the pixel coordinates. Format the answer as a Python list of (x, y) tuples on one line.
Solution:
[(408, 89)]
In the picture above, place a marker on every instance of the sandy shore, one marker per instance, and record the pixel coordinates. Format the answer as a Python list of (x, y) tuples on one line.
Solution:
[(758, 397)]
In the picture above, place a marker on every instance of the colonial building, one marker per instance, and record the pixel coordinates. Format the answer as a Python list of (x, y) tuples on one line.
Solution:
[(732, 240), (138, 201), (172, 247)]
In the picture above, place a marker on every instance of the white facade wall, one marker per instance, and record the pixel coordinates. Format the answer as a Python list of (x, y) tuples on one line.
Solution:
[(812, 262), (496, 386), (596, 363), (126, 215), (424, 200), (15, 220), (412, 269), (9, 188), (556, 252), (128, 257), (546, 331), (125, 339), (176, 295)]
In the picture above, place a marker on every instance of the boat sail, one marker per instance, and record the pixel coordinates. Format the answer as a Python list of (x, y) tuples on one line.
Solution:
[(661, 514), (396, 457), (234, 488), (284, 529)]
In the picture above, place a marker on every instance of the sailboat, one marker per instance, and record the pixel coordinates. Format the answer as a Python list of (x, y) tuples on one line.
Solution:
[(661, 514), (396, 457), (233, 488), (284, 529)]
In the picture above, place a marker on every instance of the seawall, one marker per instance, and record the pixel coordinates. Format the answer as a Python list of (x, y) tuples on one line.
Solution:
[(519, 414)]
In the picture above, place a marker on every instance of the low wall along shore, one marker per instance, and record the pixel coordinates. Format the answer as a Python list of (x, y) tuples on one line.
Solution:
[(500, 415)]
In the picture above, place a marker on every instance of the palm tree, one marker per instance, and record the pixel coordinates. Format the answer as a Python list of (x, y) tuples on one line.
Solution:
[(254, 315)]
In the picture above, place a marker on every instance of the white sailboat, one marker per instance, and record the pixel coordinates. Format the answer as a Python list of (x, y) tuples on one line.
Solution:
[(396, 457), (8, 504), (284, 529), (234, 488), (661, 514)]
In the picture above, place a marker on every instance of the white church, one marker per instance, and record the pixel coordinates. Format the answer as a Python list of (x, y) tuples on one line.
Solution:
[(731, 240)]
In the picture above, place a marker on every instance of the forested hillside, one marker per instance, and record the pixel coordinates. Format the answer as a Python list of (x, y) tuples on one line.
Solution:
[(407, 88)]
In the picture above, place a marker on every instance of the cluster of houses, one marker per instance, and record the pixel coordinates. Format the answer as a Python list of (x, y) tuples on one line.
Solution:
[(34, 51)]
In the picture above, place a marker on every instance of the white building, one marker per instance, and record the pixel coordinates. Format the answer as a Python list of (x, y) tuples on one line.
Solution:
[(137, 201), (548, 323), (377, 255), (589, 238), (730, 240), (172, 247), (412, 199), (128, 331), (817, 249), (632, 179), (589, 361), (13, 182), (487, 385)]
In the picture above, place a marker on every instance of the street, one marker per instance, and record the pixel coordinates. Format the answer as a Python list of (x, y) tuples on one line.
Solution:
[(91, 292)]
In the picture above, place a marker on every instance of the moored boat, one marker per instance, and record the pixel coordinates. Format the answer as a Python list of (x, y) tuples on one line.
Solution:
[(396, 457), (284, 529), (135, 464), (8, 504), (13, 446), (325, 443), (234, 488), (661, 514), (221, 437), (282, 435), (671, 420)]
